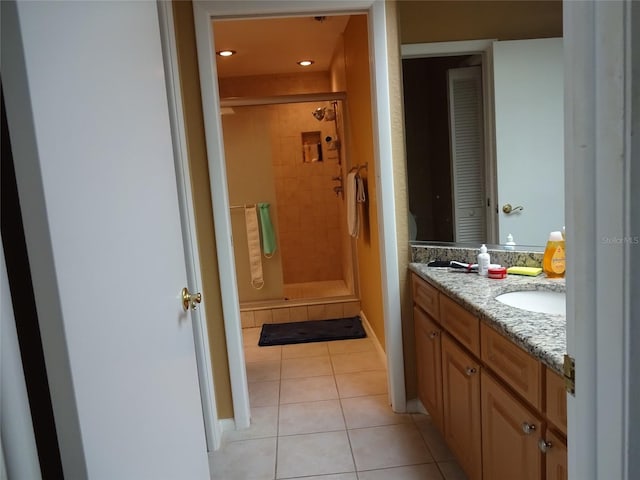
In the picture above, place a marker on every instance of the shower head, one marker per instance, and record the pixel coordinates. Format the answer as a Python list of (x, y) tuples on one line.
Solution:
[(324, 113), (319, 113)]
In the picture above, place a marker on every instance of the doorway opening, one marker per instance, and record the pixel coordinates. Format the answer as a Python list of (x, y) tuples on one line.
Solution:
[(445, 148), (460, 169)]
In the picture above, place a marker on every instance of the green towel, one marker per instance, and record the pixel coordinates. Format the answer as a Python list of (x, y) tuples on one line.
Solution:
[(268, 235)]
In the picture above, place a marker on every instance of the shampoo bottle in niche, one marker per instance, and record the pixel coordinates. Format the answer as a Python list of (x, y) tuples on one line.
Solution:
[(483, 261), (553, 262)]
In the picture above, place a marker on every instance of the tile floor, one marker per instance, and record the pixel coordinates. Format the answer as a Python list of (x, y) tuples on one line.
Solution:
[(320, 412)]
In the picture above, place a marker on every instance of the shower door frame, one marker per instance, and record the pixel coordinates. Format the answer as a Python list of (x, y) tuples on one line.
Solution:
[(306, 98), (204, 13)]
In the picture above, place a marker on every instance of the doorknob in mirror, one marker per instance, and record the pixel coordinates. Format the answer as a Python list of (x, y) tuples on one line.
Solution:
[(508, 209)]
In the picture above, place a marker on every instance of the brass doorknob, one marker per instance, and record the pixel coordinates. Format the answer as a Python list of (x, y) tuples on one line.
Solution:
[(507, 208), (190, 299)]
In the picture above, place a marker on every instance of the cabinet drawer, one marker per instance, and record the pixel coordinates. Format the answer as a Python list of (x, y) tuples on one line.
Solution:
[(515, 366), (556, 400), (425, 296), (461, 324)]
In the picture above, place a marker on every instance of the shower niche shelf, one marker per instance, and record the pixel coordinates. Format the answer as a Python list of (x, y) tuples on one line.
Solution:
[(311, 147)]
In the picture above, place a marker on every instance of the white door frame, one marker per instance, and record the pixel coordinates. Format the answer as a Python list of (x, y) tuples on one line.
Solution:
[(204, 11), (601, 239), (484, 49), (213, 430)]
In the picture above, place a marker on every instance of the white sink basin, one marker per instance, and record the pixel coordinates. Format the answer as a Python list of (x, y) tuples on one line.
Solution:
[(541, 301)]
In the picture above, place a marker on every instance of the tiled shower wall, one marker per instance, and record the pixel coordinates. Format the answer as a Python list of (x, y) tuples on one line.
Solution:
[(307, 207)]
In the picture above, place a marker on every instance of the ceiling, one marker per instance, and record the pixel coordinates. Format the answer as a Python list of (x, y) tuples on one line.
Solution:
[(274, 45)]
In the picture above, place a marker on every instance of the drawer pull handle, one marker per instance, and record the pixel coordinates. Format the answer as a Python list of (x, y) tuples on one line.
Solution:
[(470, 371), (434, 334), (528, 428), (544, 445)]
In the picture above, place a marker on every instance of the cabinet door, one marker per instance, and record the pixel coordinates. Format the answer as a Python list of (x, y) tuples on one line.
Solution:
[(510, 434), (429, 364), (556, 456), (461, 397)]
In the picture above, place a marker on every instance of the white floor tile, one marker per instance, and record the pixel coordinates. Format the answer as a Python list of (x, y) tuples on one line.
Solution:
[(337, 476), (250, 336), (244, 460), (434, 440), (263, 371), (361, 384), (414, 472), (306, 367), (264, 423), (296, 390), (313, 454), (371, 411), (452, 471), (356, 362), (351, 346), (388, 446), (264, 394), (253, 353), (310, 417), (305, 350)]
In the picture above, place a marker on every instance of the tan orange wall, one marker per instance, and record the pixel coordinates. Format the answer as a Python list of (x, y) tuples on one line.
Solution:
[(194, 125), (308, 209), (274, 85), (250, 181), (440, 21), (359, 118)]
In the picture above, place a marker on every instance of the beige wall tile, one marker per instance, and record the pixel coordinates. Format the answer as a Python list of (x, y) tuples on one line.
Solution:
[(351, 309), (281, 315), (247, 319), (298, 314), (262, 316)]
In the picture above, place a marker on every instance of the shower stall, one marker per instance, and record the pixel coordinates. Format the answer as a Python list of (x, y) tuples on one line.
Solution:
[(292, 156)]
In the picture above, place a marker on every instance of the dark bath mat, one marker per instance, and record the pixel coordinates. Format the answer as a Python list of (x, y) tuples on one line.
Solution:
[(311, 331)]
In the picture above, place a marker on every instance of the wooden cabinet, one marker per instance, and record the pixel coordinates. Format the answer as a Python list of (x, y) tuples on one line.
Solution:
[(556, 457), (429, 367), (502, 413), (461, 397), (518, 368), (556, 401), (510, 434), (425, 296), (461, 324)]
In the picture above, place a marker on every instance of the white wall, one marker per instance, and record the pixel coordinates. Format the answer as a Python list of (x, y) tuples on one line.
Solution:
[(18, 441)]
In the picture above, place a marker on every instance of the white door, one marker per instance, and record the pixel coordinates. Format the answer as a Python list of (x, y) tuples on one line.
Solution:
[(529, 118), (464, 91), (88, 118)]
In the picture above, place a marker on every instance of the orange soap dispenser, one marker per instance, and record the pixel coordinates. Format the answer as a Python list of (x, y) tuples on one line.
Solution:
[(553, 262)]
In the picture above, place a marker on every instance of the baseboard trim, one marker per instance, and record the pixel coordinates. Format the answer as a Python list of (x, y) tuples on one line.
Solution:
[(370, 333), (415, 406)]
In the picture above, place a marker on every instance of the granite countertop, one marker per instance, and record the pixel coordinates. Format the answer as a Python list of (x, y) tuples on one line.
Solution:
[(541, 334)]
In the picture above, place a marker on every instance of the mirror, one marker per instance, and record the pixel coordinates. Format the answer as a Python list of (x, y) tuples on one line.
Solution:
[(455, 120)]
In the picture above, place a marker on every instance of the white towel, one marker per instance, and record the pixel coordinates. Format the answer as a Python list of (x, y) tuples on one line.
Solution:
[(353, 222), (253, 243)]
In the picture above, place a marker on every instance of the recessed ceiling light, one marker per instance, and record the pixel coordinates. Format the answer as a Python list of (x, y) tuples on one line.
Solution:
[(305, 63), (226, 53)]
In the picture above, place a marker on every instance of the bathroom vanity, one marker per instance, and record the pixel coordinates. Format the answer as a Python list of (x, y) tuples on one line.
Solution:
[(490, 374)]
